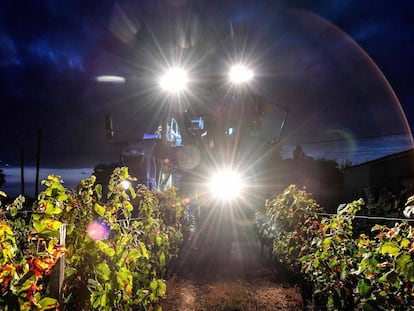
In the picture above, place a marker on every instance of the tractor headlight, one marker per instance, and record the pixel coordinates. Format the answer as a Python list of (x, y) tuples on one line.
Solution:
[(226, 185)]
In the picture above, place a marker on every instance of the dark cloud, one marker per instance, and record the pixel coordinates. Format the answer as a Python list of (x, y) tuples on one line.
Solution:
[(8, 53)]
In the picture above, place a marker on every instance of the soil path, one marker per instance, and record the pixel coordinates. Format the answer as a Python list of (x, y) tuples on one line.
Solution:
[(209, 278)]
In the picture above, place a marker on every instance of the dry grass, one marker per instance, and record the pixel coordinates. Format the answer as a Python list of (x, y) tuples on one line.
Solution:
[(185, 295)]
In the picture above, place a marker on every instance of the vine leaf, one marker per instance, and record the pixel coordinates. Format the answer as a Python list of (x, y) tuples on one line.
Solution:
[(391, 248), (103, 271), (48, 303)]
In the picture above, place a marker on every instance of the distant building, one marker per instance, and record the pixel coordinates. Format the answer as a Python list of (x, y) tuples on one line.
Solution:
[(392, 173)]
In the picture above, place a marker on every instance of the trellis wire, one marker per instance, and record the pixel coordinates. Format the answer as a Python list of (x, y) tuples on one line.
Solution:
[(371, 217)]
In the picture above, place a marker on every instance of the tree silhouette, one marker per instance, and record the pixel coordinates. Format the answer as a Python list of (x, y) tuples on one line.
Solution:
[(298, 153)]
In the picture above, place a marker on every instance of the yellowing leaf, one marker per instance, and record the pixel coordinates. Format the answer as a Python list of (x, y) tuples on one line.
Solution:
[(47, 226), (128, 206), (48, 303), (99, 209), (405, 242), (55, 178), (391, 248), (144, 250)]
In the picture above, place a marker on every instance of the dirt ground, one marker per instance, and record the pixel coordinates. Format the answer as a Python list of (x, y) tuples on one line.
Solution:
[(208, 278), (186, 295)]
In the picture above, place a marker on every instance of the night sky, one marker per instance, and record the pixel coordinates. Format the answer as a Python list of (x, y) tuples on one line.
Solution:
[(342, 68)]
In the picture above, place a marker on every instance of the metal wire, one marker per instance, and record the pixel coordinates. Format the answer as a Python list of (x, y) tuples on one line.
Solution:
[(372, 217)]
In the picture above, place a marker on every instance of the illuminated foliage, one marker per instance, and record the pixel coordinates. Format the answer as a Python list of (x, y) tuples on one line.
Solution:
[(113, 261), (122, 267), (345, 273), (28, 253)]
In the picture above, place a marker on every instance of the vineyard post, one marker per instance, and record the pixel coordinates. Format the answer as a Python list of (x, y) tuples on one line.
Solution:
[(61, 261)]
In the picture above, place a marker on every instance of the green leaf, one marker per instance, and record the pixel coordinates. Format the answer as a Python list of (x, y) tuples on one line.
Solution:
[(47, 226), (326, 243), (98, 190), (123, 173), (333, 263), (132, 192), (162, 259), (48, 303), (162, 288), (123, 274), (5, 229), (405, 266), (99, 209), (70, 228), (330, 303), (13, 211), (144, 250), (158, 287), (343, 274), (154, 285), (50, 208), (104, 299), (3, 194), (102, 246), (391, 248), (124, 279), (127, 205), (405, 242), (96, 299), (69, 272), (103, 271), (134, 254), (363, 287)]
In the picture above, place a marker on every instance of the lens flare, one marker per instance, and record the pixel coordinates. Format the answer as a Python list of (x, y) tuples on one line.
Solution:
[(110, 79), (226, 185), (98, 230), (175, 80), (240, 74)]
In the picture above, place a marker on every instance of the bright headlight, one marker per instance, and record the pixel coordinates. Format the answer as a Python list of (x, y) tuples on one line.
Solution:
[(175, 80), (240, 74), (226, 185)]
